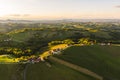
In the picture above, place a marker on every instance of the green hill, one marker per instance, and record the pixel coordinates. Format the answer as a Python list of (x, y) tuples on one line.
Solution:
[(40, 71), (103, 60), (11, 72), (46, 34), (55, 72)]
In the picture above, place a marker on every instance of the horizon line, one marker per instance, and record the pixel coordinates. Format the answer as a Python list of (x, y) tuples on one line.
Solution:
[(69, 19)]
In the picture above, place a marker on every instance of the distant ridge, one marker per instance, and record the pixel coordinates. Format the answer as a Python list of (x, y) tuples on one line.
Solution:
[(60, 21)]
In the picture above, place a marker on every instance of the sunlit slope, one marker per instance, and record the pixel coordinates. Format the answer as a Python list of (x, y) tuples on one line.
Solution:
[(103, 60), (7, 59)]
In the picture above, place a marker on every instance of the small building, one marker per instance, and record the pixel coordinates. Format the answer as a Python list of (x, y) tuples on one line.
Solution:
[(56, 51), (42, 59), (108, 44), (102, 44)]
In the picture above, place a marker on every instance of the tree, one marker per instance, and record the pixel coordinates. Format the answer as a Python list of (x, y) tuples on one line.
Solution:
[(85, 41), (68, 41)]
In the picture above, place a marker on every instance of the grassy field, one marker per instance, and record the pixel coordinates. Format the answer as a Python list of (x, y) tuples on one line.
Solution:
[(103, 60), (46, 34), (40, 71), (7, 59), (56, 72), (11, 71)]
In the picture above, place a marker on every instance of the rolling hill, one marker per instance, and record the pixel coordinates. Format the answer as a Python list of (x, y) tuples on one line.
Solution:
[(55, 72), (40, 71), (103, 60)]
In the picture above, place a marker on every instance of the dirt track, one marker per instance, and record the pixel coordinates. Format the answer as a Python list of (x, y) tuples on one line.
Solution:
[(78, 68)]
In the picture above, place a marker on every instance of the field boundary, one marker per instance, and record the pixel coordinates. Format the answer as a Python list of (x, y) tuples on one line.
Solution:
[(77, 68)]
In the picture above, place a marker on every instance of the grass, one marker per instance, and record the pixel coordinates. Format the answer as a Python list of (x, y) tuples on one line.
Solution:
[(55, 72), (40, 71), (103, 60), (11, 72), (21, 37), (61, 46), (7, 59), (46, 53)]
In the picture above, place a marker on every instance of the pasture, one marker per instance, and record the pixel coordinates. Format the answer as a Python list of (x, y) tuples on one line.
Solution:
[(103, 60)]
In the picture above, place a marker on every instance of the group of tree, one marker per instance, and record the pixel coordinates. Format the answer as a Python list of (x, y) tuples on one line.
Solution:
[(67, 41), (15, 51), (85, 41)]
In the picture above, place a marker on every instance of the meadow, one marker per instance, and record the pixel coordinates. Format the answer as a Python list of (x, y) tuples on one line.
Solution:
[(40, 71), (103, 60), (55, 72)]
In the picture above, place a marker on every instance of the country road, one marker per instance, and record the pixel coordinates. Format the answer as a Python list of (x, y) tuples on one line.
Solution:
[(25, 72), (77, 68)]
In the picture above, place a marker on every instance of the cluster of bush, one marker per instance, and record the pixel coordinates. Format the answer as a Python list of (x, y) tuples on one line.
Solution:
[(85, 41), (15, 51)]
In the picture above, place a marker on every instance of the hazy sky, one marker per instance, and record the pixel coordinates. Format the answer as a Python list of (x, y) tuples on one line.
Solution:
[(59, 9)]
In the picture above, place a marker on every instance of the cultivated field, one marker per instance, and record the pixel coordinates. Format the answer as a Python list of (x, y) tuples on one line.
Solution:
[(103, 60), (43, 71)]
